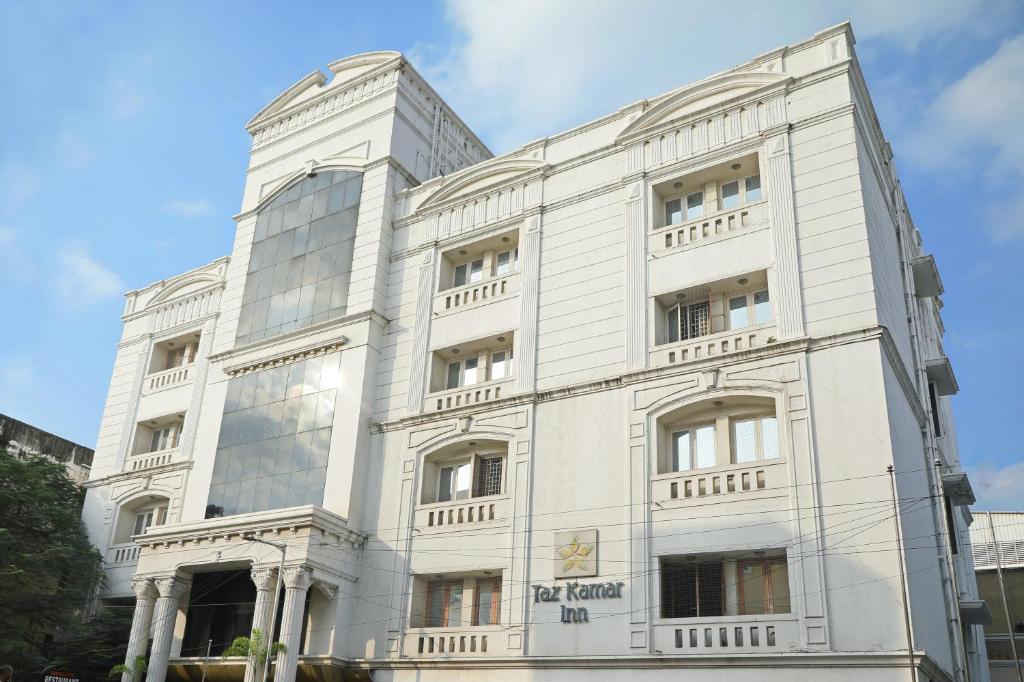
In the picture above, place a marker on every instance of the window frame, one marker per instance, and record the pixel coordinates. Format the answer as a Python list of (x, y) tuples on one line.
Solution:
[(759, 438), (483, 374), (677, 310), (447, 586), (768, 588), (473, 460), (494, 610), (750, 310), (691, 429)]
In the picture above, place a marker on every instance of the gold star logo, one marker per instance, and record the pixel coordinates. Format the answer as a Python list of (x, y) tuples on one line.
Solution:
[(575, 555)]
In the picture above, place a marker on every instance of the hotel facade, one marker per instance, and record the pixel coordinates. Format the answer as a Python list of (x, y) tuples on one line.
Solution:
[(619, 402)]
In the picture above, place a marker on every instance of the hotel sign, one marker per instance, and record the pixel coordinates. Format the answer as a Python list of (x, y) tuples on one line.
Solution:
[(576, 557)]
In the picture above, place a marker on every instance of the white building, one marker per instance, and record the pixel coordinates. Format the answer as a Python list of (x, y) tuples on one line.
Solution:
[(619, 402), (1005, 531)]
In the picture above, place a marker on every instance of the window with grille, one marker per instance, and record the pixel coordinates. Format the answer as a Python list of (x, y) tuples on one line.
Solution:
[(444, 603), (465, 477), (488, 476), (688, 321), (487, 602), (692, 589), (708, 586)]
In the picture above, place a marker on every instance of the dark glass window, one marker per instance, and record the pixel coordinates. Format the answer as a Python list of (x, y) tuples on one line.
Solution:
[(691, 589), (300, 263), (275, 437)]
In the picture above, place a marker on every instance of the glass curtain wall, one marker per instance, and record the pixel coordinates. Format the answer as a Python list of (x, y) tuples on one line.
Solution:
[(275, 437), (300, 264)]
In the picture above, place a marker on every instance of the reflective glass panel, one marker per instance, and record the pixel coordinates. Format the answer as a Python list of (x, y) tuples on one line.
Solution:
[(300, 262), (744, 437), (762, 307), (731, 194), (738, 317), (695, 205), (705, 446), (673, 211), (770, 437), (753, 188), (275, 437)]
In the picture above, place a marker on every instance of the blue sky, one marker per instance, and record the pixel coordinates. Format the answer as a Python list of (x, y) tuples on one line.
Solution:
[(122, 150)]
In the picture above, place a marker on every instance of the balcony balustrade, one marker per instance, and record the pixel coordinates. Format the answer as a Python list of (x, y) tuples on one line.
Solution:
[(728, 635), (471, 513), (168, 378), (148, 460), (473, 394), (122, 554), (712, 345), (458, 642), (476, 293), (734, 479), (709, 227)]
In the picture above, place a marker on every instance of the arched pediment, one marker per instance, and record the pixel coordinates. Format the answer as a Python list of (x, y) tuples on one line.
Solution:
[(315, 82), (701, 96), (187, 285), (482, 176)]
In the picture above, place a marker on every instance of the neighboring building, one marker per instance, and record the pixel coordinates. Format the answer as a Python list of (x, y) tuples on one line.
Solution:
[(619, 402), (21, 439), (1009, 537)]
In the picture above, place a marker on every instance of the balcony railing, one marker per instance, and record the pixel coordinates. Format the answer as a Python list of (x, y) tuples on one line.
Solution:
[(728, 634), (148, 460), (476, 294), (709, 226), (168, 378), (734, 479), (713, 345), (469, 513), (484, 640), (468, 395), (123, 553)]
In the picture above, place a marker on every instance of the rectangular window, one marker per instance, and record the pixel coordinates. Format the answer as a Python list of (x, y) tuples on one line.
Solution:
[(738, 317), (469, 376), (498, 365), (142, 522), (692, 589), (460, 274), (505, 263), (673, 211), (175, 358), (731, 194), (453, 482), (762, 307), (693, 448), (488, 476), (476, 270), (752, 187), (688, 321), (762, 585), (486, 609), (754, 439), (744, 441), (444, 604), (694, 205), (933, 400), (454, 374), (164, 439)]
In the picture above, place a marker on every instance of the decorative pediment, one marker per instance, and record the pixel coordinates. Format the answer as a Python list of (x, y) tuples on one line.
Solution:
[(316, 82), (700, 96), (188, 284), (482, 177)]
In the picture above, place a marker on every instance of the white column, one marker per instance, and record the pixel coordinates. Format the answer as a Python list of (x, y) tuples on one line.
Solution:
[(164, 616), (636, 274), (145, 598), (777, 173), (297, 580), (266, 581)]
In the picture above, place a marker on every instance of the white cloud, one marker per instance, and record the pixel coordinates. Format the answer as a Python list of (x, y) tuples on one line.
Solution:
[(72, 151), (999, 489), (16, 266), (124, 99), (529, 68), (189, 208), (82, 280), (18, 184)]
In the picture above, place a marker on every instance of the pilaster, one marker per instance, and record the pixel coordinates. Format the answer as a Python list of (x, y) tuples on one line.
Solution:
[(421, 335), (788, 299), (636, 274), (529, 282)]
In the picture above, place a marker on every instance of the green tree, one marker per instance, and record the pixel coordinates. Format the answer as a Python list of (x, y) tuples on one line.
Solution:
[(135, 671), (48, 568), (253, 649)]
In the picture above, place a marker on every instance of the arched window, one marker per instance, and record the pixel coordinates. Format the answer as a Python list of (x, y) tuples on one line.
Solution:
[(138, 515), (300, 263), (464, 470), (718, 432)]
